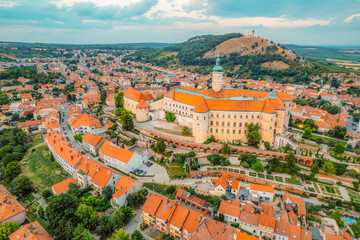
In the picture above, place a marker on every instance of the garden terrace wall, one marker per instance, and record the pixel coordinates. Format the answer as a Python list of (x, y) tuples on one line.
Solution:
[(217, 149)]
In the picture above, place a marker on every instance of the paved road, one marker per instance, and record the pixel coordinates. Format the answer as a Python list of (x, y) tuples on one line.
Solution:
[(68, 133)]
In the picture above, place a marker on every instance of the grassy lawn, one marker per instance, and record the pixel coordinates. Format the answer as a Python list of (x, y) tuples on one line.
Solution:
[(305, 146), (261, 175), (316, 187), (327, 140), (175, 169), (311, 189), (269, 177), (292, 180), (32, 217), (330, 189), (252, 174), (242, 172), (279, 179), (159, 188), (43, 172)]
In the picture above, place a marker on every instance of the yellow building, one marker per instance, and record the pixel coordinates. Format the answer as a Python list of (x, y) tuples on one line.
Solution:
[(225, 113)]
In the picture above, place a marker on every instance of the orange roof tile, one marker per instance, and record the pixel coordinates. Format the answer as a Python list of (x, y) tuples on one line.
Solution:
[(152, 203), (63, 186), (179, 216), (102, 176), (116, 152), (92, 139), (142, 104), (10, 206), (261, 188), (30, 231), (229, 209)]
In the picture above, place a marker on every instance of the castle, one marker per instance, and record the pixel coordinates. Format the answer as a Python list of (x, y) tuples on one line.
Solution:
[(221, 112)]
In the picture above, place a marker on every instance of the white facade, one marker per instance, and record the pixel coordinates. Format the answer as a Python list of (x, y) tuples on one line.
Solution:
[(135, 161)]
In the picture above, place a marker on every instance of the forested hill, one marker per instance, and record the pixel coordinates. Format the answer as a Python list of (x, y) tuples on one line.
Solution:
[(241, 57)]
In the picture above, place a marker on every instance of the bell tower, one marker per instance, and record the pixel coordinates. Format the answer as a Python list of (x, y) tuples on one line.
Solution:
[(217, 76)]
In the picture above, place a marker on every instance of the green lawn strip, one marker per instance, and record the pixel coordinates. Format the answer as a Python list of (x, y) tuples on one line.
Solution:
[(292, 180), (41, 170), (32, 217), (252, 174), (159, 188), (269, 177), (311, 189), (261, 175), (279, 179), (316, 187)]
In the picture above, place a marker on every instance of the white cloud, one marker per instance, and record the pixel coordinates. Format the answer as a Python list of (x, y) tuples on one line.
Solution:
[(276, 22), (93, 21), (8, 3), (348, 19), (121, 3), (176, 8), (166, 9)]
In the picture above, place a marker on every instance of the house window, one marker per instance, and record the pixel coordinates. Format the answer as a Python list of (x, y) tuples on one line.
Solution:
[(239, 131), (211, 123), (228, 124), (227, 131), (222, 124), (234, 124), (211, 130), (216, 130), (233, 131)]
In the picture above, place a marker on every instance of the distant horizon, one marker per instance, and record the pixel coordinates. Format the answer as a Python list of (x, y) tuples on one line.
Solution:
[(300, 22), (173, 43)]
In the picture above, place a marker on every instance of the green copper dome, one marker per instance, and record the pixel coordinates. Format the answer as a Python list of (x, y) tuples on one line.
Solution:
[(217, 68)]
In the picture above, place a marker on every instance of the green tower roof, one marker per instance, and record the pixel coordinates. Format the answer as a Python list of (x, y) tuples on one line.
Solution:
[(217, 68)]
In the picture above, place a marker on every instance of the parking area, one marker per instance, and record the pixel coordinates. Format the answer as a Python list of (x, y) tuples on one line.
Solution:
[(160, 174)]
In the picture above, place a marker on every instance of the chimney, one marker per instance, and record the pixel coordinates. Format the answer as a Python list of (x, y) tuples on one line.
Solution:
[(61, 149), (224, 227), (72, 157)]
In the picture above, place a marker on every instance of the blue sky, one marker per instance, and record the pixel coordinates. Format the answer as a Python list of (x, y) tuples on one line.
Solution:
[(307, 22)]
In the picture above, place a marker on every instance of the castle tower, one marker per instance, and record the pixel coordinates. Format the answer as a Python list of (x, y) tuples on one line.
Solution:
[(217, 76)]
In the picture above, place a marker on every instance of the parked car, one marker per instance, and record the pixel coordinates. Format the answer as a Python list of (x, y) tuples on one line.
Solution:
[(63, 128), (41, 141), (149, 164), (198, 176), (140, 172), (144, 173), (232, 196), (136, 170)]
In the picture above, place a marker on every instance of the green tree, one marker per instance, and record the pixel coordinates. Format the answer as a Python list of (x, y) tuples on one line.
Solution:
[(107, 193), (78, 137), (267, 145), (119, 99), (105, 226), (252, 135), (329, 168), (170, 117), (226, 149), (136, 235), (22, 185), (186, 131), (117, 219), (128, 213), (127, 121), (13, 169), (307, 133), (61, 208), (340, 132), (81, 233), (356, 185), (4, 99), (335, 83), (257, 167), (171, 189), (315, 169), (160, 145), (339, 148), (290, 158), (7, 229), (120, 234), (87, 216), (311, 124), (63, 229), (337, 216)]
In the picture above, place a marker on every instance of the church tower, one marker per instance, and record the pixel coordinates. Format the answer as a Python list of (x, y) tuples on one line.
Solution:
[(217, 76)]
